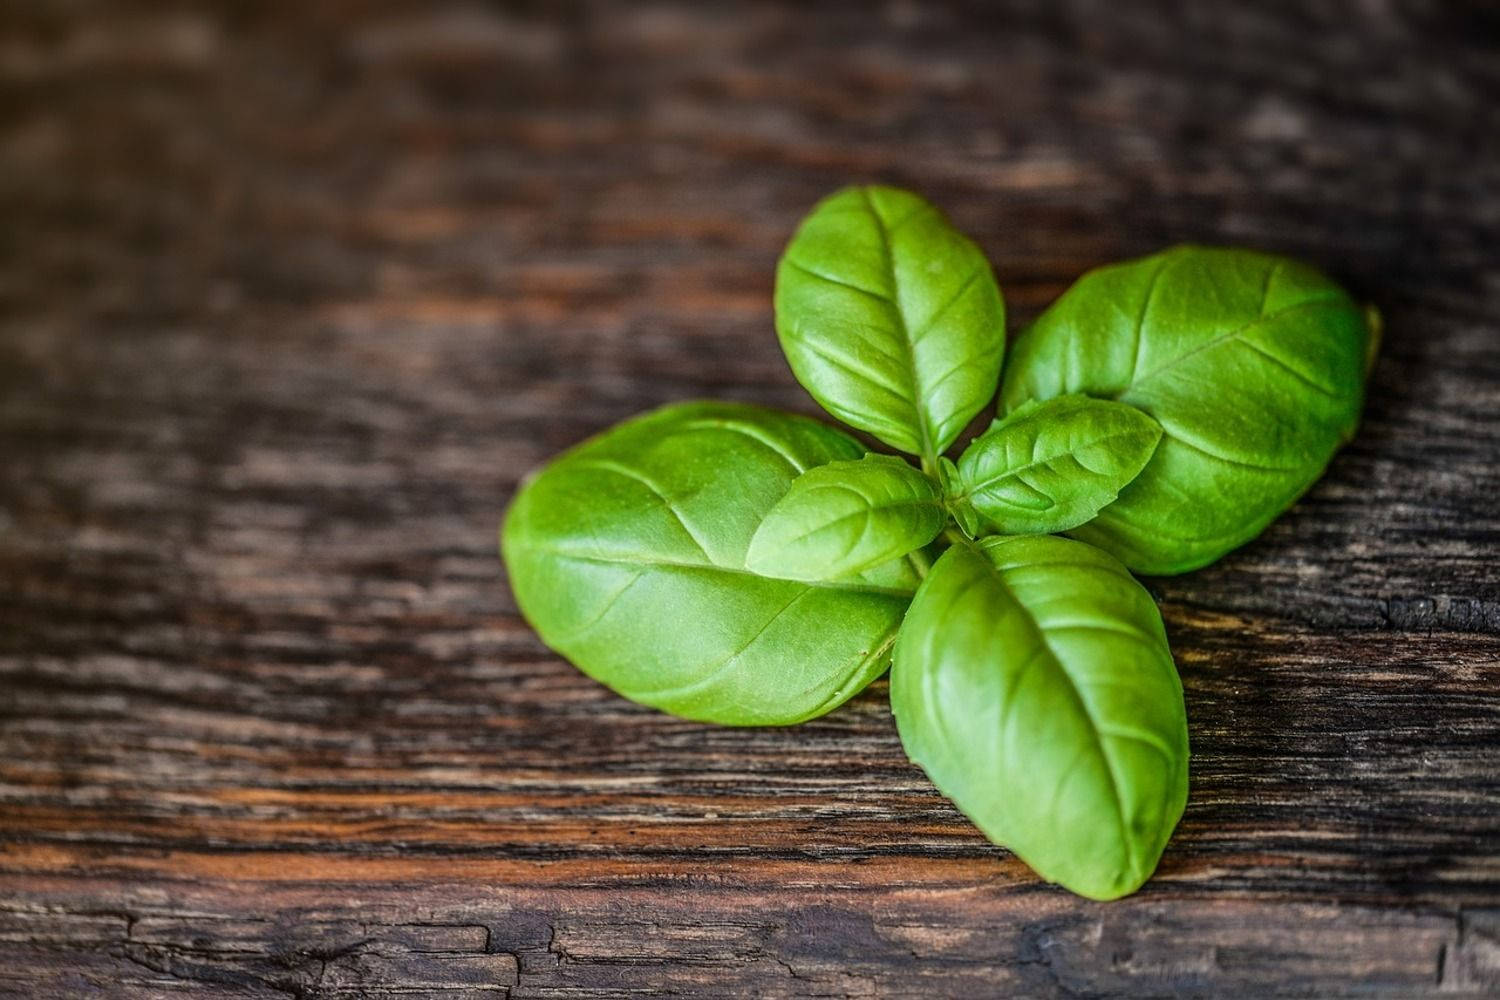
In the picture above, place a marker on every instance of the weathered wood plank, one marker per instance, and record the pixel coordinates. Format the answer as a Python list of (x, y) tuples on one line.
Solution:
[(292, 298), (857, 936)]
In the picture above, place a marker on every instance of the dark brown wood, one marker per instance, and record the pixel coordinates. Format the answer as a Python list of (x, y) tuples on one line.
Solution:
[(294, 294)]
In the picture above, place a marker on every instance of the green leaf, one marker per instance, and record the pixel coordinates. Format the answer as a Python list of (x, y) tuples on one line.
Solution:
[(627, 554), (1033, 683), (1253, 365), (1052, 466), (891, 318), (847, 517), (963, 512)]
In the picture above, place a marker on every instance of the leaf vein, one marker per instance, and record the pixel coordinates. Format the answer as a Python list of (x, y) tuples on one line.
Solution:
[(667, 502), (736, 427), (884, 300), (932, 320), (853, 367), (1235, 334), (717, 670)]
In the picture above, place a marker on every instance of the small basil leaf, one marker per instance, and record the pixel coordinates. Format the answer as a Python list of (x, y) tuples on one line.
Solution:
[(1253, 365), (963, 512), (1052, 466), (847, 517), (890, 318), (948, 477), (627, 554), (1033, 683)]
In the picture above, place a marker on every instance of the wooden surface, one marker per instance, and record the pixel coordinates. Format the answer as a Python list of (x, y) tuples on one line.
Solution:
[(293, 294)]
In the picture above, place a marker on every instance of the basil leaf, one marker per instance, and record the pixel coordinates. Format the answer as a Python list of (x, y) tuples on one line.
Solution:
[(1033, 683), (627, 555), (1253, 365), (847, 517), (1052, 466), (890, 318), (963, 512)]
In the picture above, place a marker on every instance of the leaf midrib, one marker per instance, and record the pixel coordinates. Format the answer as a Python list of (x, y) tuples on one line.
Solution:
[(654, 562), (1093, 727), (909, 351), (868, 510), (1011, 473)]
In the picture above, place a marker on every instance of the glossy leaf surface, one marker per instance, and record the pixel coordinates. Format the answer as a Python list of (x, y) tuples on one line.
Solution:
[(1052, 466), (847, 517), (627, 555), (1253, 365), (890, 318), (1033, 683)]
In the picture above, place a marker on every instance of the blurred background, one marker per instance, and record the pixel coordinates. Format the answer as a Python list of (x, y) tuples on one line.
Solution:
[(353, 254), (291, 295)]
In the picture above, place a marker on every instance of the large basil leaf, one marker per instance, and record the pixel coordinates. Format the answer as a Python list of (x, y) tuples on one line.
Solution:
[(847, 517), (1051, 466), (627, 554), (1033, 683), (891, 318), (1253, 365)]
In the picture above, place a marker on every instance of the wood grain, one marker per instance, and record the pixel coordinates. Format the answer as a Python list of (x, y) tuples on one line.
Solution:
[(294, 295)]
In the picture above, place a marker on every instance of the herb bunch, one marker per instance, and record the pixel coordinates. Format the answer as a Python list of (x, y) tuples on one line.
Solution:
[(737, 565)]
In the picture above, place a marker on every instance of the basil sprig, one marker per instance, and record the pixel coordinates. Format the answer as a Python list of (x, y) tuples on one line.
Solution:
[(736, 565)]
